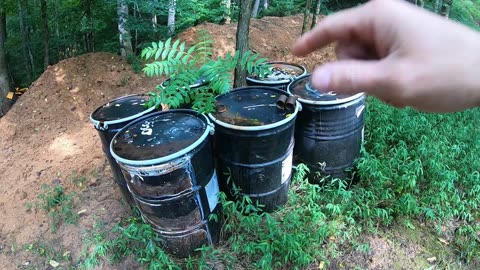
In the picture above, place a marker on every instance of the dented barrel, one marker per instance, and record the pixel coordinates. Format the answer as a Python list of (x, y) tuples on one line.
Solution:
[(167, 160)]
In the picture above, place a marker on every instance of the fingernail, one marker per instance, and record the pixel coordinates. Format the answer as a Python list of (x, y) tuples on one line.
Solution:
[(321, 78)]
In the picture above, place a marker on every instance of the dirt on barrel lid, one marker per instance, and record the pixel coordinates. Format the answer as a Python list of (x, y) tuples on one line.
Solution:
[(250, 106), (280, 72)]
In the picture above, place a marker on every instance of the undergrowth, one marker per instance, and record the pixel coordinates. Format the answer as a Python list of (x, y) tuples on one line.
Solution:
[(58, 205), (416, 168)]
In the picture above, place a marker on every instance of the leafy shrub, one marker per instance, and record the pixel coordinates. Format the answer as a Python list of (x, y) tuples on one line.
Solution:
[(189, 66)]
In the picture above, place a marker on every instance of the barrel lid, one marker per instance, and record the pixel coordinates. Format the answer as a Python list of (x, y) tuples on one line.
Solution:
[(160, 137), (252, 108), (306, 93), (281, 73), (120, 110)]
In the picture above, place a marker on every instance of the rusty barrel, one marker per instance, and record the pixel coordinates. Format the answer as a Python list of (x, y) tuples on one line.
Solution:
[(167, 160)]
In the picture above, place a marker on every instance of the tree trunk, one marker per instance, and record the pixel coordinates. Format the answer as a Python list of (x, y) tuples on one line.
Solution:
[(265, 4), (318, 5), (255, 9), (46, 59), (445, 9), (89, 36), (306, 16), (25, 46), (3, 22), (57, 32), (438, 5), (245, 7), (4, 81), (172, 6), (124, 34), (421, 3), (227, 13), (135, 16)]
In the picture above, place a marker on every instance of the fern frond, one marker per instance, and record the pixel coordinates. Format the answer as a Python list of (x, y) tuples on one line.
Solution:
[(204, 103), (204, 47), (173, 58)]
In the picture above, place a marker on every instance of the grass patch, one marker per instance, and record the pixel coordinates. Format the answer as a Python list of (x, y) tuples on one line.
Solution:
[(50, 256), (466, 12), (58, 204)]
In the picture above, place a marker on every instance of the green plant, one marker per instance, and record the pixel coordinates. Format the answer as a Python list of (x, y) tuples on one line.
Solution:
[(52, 255), (78, 180), (130, 237), (58, 204), (135, 62), (194, 65)]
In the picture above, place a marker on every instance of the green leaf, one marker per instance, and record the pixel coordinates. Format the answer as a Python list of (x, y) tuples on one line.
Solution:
[(144, 52), (249, 67), (157, 54), (182, 47), (175, 45), (191, 50), (166, 49)]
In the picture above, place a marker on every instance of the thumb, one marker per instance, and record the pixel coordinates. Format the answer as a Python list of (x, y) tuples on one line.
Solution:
[(349, 76)]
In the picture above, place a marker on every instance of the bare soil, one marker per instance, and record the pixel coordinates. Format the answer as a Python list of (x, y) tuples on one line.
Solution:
[(47, 138)]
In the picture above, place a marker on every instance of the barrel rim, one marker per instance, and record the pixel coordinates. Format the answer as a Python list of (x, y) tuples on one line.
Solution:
[(282, 122), (155, 161), (329, 102), (280, 81), (97, 123)]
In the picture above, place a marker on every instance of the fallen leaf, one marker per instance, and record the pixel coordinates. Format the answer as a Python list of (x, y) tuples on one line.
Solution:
[(82, 211), (53, 263), (431, 259), (443, 241), (322, 265), (66, 254)]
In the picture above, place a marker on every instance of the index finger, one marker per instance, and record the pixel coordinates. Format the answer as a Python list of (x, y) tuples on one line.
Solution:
[(344, 25)]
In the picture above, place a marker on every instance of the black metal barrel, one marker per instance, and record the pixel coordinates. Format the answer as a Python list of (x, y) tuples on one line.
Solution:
[(108, 119), (254, 144), (329, 129), (282, 74), (167, 160)]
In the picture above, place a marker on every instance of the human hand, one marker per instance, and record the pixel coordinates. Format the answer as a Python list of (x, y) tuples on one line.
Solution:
[(402, 54)]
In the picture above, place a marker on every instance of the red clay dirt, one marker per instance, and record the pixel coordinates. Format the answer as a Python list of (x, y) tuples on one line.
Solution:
[(47, 138)]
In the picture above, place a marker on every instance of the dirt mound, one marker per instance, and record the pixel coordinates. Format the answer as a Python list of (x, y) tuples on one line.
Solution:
[(47, 137), (271, 37)]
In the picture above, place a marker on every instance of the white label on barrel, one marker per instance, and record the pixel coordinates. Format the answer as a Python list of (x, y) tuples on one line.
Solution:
[(287, 167), (212, 191), (146, 128)]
